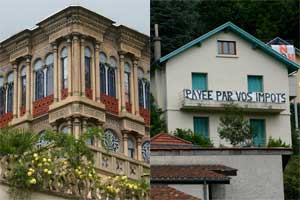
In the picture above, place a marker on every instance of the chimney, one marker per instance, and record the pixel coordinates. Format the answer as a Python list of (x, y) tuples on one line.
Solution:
[(157, 47)]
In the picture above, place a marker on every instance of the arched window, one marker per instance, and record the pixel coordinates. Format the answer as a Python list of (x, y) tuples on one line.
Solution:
[(23, 86), (39, 80), (112, 77), (146, 151), (65, 130), (143, 89), (111, 141), (87, 63), (49, 74), (42, 141), (10, 92), (127, 82), (130, 148), (103, 73), (2, 96), (64, 68)]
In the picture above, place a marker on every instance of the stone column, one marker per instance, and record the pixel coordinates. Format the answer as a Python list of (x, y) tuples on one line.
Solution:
[(15, 94), (76, 66), (56, 79), (82, 47), (84, 125), (125, 143), (97, 73), (136, 88), (69, 46), (139, 149), (28, 85), (122, 86), (69, 125), (54, 127), (77, 126)]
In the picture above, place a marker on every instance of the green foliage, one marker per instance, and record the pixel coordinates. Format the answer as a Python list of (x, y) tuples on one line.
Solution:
[(196, 139), (292, 178), (276, 143), (158, 124), (182, 21), (234, 127)]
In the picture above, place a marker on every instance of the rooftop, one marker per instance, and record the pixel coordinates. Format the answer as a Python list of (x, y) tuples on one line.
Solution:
[(161, 192)]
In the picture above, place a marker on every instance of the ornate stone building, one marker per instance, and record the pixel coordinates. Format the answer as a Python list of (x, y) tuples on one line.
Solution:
[(75, 70)]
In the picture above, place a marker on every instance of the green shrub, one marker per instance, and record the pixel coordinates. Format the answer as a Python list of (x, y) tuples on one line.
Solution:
[(189, 135), (276, 143)]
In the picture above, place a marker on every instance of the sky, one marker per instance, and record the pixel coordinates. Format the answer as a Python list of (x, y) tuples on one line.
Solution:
[(17, 15)]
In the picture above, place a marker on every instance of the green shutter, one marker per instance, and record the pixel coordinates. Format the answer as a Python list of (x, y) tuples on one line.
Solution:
[(201, 126), (255, 84), (258, 131), (199, 81)]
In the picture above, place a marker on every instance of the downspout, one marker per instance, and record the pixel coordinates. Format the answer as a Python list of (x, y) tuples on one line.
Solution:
[(205, 193)]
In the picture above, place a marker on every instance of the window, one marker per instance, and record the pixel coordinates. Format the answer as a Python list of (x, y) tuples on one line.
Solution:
[(23, 86), (108, 75), (43, 77), (258, 131), (143, 89), (227, 47), (127, 82), (65, 130), (130, 148), (199, 81), (42, 142), (10, 92), (111, 141), (201, 126), (39, 80), (146, 151), (64, 68), (87, 63), (2, 96), (103, 73), (255, 84), (49, 75)]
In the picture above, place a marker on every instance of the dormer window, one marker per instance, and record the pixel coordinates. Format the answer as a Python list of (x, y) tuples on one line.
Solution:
[(226, 47)]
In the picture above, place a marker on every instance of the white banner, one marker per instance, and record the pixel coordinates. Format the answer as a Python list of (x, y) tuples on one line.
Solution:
[(286, 50)]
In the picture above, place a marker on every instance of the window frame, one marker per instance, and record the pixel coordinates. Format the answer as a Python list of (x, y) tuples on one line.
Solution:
[(262, 82), (206, 77), (208, 126), (228, 42)]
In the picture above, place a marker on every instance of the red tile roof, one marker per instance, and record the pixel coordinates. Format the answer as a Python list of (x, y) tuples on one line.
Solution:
[(191, 173), (164, 138), (168, 193)]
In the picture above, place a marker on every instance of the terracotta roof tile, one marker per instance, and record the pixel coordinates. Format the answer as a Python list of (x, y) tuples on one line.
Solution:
[(164, 138), (168, 193), (184, 173)]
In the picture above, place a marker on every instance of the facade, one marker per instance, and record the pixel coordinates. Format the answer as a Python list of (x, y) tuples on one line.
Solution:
[(195, 83), (77, 70)]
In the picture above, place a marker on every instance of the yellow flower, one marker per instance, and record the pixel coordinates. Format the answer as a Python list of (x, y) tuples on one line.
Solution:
[(49, 160), (29, 173), (35, 155), (130, 186), (40, 164), (46, 170), (36, 158), (32, 161), (90, 175), (30, 169), (32, 181), (49, 172), (124, 178), (117, 190), (65, 162), (44, 159), (135, 187)]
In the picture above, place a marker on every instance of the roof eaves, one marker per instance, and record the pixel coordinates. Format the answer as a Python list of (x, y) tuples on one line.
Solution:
[(292, 66)]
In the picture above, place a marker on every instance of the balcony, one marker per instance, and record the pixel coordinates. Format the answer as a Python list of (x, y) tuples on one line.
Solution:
[(5, 119), (121, 165), (145, 113), (89, 93), (209, 101), (111, 103), (41, 106)]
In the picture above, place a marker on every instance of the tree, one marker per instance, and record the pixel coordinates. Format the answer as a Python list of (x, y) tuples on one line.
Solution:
[(189, 135), (158, 124), (234, 127)]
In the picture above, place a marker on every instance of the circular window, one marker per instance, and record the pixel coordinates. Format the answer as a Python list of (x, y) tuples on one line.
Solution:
[(111, 141), (146, 151)]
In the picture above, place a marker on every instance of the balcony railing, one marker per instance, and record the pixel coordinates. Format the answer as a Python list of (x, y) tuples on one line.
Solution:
[(89, 93), (145, 113), (41, 106), (111, 103), (5, 119)]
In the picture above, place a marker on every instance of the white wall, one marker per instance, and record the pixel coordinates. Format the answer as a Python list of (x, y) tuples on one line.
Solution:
[(225, 74), (259, 177)]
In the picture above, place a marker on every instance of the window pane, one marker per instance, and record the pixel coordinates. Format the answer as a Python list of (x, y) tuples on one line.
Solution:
[(87, 72), (49, 80), (225, 48), (102, 78), (147, 95), (23, 90), (127, 86), (258, 131), (2, 100), (141, 93), (220, 47), (10, 94), (64, 69), (111, 82), (201, 126), (255, 84), (39, 84), (231, 48), (199, 81)]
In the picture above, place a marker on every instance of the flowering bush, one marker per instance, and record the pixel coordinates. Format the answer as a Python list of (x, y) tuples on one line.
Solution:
[(63, 165)]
